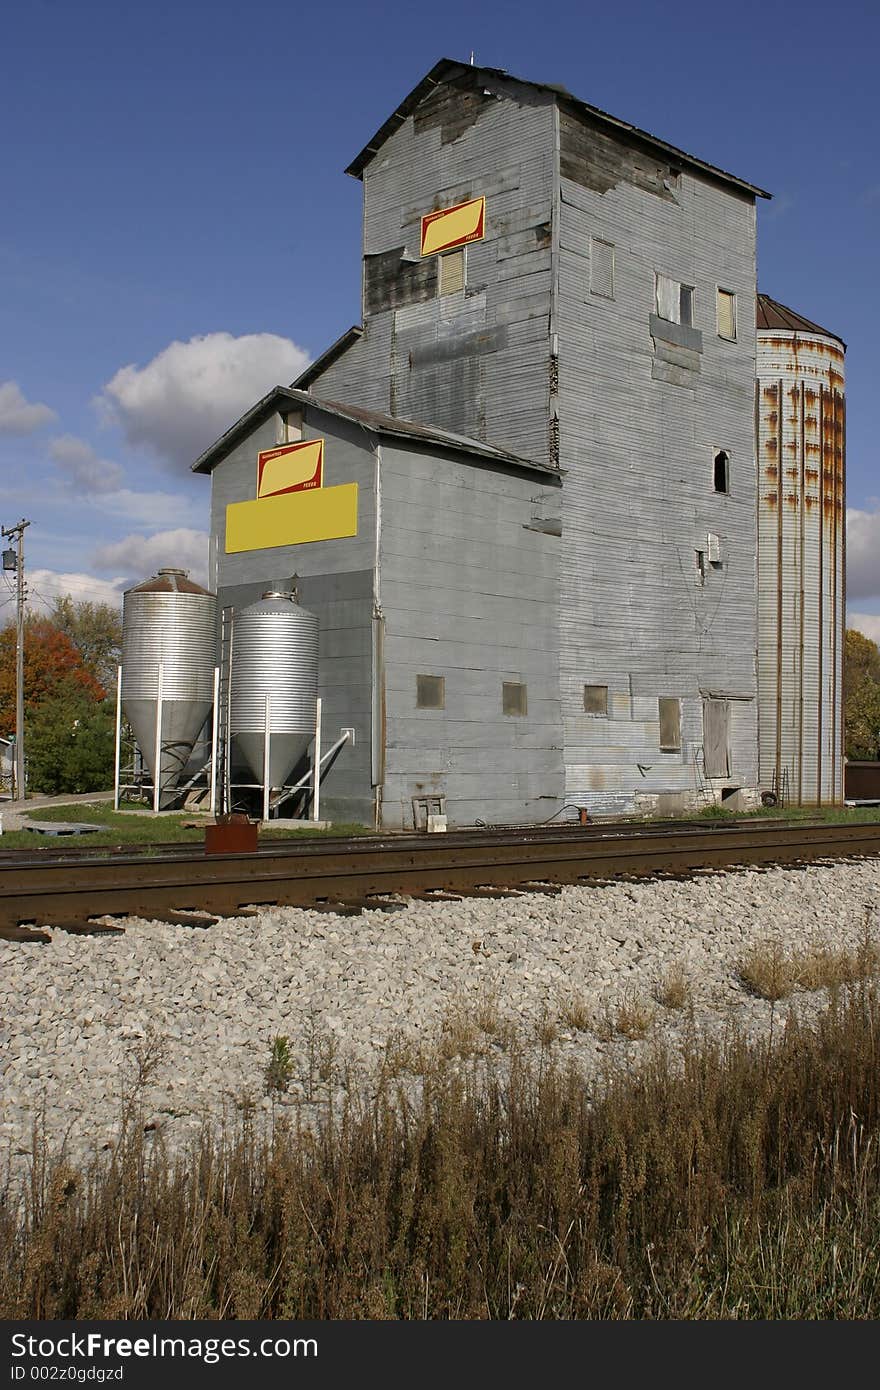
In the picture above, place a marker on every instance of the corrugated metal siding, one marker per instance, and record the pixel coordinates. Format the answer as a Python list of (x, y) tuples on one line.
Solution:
[(800, 415), (477, 361), (336, 583), (639, 496), (470, 595)]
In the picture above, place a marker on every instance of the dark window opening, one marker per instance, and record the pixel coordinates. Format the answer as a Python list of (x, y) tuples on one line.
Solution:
[(430, 692), (514, 699), (721, 471)]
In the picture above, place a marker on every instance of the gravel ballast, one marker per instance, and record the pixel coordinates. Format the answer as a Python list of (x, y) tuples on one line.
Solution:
[(182, 1020)]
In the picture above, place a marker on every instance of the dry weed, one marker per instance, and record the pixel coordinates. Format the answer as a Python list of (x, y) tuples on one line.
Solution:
[(674, 990), (576, 1014)]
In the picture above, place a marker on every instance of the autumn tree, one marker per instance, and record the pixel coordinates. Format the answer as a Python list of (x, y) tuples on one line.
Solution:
[(52, 661), (96, 631), (861, 685)]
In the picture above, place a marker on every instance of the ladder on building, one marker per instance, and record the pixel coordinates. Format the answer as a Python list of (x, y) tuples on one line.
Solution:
[(702, 791)]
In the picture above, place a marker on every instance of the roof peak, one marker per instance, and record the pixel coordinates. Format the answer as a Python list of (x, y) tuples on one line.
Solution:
[(773, 315), (447, 68)]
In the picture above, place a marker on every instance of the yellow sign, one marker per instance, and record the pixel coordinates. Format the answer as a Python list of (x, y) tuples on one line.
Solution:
[(292, 506), (327, 514), (290, 468), (450, 227)]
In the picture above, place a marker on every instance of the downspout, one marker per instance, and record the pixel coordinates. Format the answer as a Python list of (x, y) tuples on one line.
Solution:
[(377, 674)]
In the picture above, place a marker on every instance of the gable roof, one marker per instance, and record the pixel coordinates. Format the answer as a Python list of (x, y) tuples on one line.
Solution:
[(773, 315), (285, 397), (329, 356), (448, 68)]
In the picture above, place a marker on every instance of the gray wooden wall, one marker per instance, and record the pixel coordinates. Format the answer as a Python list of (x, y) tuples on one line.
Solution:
[(336, 584), (532, 357), (477, 361), (643, 408), (469, 592)]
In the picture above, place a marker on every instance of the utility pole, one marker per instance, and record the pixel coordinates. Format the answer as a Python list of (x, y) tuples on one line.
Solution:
[(15, 560)]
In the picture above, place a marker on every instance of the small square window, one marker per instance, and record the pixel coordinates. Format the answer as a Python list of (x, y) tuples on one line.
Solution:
[(596, 699), (675, 302), (670, 724), (450, 272), (601, 268), (725, 312), (430, 692), (514, 699)]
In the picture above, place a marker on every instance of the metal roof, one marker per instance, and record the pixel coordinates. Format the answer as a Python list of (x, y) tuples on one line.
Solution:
[(773, 315), (328, 357), (448, 68), (369, 419)]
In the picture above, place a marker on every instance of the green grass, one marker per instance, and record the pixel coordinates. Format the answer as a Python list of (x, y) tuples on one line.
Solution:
[(824, 814), (119, 829)]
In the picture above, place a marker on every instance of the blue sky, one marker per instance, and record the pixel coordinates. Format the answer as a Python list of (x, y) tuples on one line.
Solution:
[(178, 234)]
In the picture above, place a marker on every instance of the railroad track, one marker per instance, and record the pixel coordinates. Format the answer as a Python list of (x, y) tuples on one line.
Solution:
[(184, 886)]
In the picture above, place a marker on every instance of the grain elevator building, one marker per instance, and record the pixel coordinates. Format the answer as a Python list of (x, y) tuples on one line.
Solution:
[(546, 594)]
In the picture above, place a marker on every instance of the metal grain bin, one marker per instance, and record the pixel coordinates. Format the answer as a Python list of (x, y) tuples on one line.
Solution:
[(169, 621), (801, 545), (274, 653)]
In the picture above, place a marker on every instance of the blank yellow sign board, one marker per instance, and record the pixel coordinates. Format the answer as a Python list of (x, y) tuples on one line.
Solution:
[(327, 514)]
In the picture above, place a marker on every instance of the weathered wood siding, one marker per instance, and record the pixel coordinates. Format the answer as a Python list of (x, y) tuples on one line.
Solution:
[(476, 361), (336, 584), (470, 594), (643, 408)]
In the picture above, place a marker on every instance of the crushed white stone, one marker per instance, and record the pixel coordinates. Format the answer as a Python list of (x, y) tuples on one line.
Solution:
[(180, 1021)]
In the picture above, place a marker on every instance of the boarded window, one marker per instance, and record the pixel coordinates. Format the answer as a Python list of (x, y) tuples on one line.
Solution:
[(721, 471), (675, 302), (596, 699), (430, 692), (513, 698), (726, 314), (716, 721), (670, 724), (451, 272), (602, 268)]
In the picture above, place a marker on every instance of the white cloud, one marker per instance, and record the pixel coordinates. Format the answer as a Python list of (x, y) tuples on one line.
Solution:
[(150, 511), (866, 623), (182, 400), (142, 556), (44, 586), (82, 466), (862, 553), (17, 414)]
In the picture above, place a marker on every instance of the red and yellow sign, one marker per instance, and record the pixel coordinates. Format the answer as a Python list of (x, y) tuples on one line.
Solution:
[(292, 506), (450, 227), (290, 468)]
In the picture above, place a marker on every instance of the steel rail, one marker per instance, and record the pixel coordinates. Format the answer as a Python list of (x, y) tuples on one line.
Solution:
[(342, 872)]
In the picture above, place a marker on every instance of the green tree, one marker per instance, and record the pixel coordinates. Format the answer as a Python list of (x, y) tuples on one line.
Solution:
[(861, 685), (95, 629), (70, 742)]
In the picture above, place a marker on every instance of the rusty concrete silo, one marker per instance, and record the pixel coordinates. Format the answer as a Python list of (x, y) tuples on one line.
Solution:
[(800, 418)]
